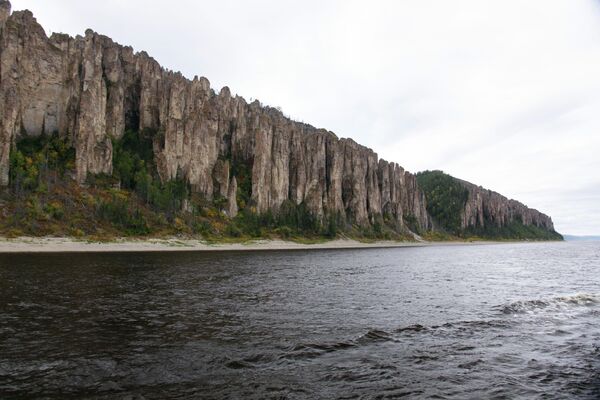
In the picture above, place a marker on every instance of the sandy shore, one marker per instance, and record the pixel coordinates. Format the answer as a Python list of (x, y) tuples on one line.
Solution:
[(51, 244)]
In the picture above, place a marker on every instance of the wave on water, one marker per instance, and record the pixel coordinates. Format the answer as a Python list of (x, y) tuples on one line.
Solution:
[(455, 329), (376, 336), (526, 306), (311, 350)]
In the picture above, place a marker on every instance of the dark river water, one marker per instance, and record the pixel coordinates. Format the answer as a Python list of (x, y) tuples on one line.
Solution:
[(482, 322)]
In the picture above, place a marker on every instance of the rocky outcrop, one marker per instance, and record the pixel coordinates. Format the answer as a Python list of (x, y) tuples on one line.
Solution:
[(49, 85), (485, 207), (90, 90), (232, 207)]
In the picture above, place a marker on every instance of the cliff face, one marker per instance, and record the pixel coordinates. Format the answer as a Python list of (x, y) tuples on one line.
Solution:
[(485, 207), (90, 89), (461, 208)]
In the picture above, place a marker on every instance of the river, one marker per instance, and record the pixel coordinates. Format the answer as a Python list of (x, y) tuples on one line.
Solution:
[(473, 321)]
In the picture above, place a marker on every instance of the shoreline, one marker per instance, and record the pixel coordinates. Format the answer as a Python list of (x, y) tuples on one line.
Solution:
[(70, 245)]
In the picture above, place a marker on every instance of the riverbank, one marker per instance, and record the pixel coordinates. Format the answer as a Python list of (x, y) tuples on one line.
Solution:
[(54, 244)]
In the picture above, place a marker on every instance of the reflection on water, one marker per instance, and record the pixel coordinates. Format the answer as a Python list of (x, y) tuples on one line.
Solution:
[(496, 321)]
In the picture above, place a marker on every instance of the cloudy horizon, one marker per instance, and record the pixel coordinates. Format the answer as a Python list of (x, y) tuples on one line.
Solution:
[(502, 94)]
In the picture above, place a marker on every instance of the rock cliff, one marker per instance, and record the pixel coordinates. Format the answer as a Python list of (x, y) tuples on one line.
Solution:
[(90, 90), (485, 207), (461, 208)]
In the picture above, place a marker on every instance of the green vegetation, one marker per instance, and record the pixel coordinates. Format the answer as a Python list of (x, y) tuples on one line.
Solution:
[(119, 211), (39, 162), (446, 198), (43, 199), (133, 161), (515, 231), (411, 222)]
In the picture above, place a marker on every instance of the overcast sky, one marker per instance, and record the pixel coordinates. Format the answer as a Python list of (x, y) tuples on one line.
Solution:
[(505, 93)]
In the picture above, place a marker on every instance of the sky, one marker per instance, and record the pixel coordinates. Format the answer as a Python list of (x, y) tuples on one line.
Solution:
[(505, 93)]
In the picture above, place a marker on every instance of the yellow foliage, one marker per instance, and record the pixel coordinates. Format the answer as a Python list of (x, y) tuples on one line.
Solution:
[(76, 232), (179, 223)]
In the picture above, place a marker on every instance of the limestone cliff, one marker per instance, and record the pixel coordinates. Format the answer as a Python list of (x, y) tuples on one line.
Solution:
[(485, 207), (90, 90), (461, 208)]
